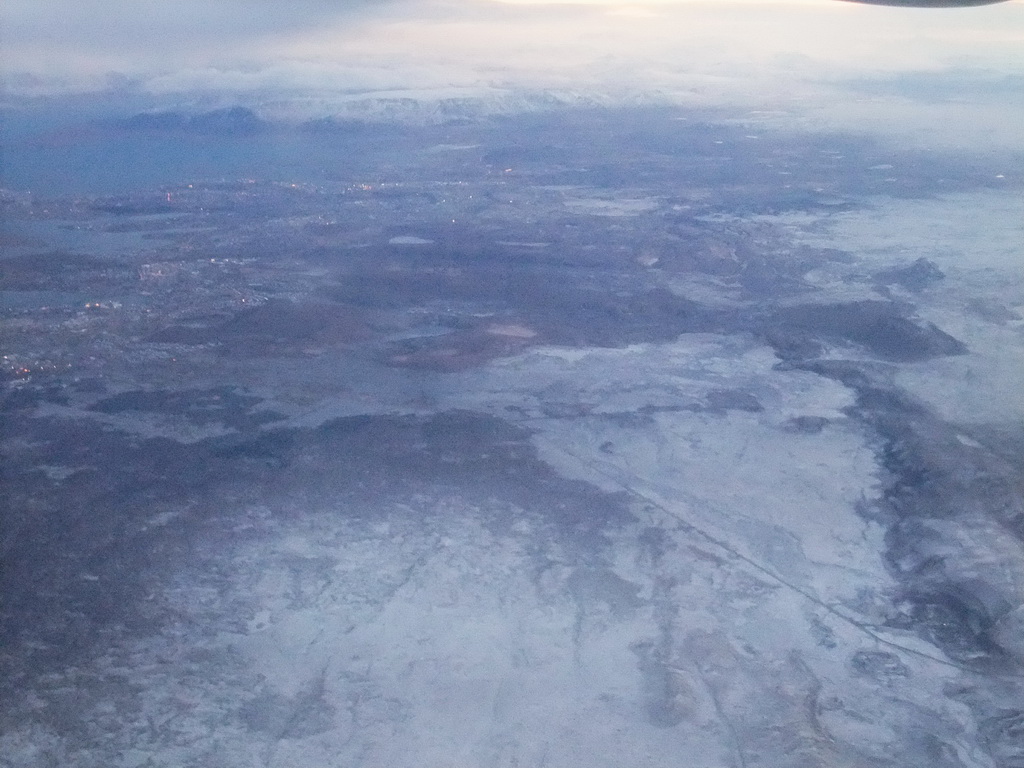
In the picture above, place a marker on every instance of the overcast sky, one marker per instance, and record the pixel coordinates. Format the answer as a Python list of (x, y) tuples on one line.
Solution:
[(725, 49)]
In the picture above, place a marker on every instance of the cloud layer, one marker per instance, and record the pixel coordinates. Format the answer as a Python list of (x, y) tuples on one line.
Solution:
[(316, 54)]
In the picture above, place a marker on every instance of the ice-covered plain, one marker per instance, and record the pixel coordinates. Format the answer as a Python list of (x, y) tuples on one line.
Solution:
[(603, 437)]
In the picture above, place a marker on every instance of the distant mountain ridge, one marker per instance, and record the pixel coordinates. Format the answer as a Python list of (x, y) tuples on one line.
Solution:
[(346, 112), (234, 121)]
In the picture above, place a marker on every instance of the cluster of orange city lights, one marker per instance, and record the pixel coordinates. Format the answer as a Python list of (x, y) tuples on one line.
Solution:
[(23, 370)]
